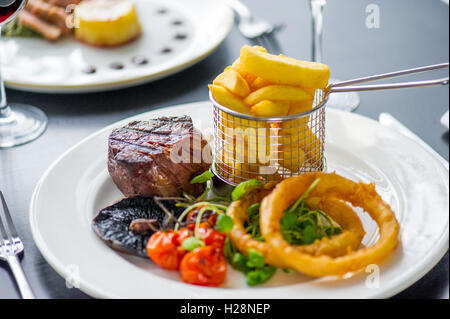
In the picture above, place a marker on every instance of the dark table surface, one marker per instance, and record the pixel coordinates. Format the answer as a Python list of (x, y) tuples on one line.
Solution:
[(412, 33)]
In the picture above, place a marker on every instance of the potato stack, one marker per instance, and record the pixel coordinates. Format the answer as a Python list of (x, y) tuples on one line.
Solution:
[(268, 86)]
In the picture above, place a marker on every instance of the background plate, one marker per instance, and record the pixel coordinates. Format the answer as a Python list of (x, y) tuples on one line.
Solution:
[(40, 66), (409, 178)]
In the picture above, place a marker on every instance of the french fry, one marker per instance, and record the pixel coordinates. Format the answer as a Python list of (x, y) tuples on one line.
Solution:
[(310, 91), (265, 85), (296, 134), (267, 108), (292, 157), (250, 78), (228, 99), (284, 70), (259, 83), (277, 93), (310, 143), (298, 107), (234, 82)]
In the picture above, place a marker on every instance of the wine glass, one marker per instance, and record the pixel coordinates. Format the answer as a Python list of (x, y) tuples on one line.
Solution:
[(347, 101), (19, 123)]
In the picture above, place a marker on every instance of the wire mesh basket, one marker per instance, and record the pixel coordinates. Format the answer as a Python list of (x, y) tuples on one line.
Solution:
[(268, 149)]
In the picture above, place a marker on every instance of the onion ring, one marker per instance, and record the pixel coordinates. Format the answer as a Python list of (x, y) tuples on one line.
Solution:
[(337, 245), (239, 237), (330, 186), (352, 229)]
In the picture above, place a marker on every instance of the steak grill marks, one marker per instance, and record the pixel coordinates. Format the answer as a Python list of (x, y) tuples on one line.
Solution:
[(141, 151)]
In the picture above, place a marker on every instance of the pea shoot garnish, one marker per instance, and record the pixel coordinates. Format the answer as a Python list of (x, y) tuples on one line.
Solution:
[(302, 226)]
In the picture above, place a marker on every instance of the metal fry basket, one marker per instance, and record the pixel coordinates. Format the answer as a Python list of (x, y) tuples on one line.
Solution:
[(268, 149), (271, 149)]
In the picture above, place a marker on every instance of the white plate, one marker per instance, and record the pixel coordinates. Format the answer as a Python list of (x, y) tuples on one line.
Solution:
[(40, 66), (410, 179)]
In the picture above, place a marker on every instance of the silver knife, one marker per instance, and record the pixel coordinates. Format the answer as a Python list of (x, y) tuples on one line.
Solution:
[(388, 120)]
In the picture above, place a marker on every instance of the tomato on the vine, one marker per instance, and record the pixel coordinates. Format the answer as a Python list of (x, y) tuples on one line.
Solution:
[(181, 235), (213, 219), (212, 237), (205, 266), (193, 214), (164, 248), (201, 225)]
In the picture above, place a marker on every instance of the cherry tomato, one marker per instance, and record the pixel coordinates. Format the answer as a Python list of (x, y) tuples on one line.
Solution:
[(204, 266), (212, 237), (192, 215), (201, 225), (209, 215), (164, 249), (213, 219), (181, 235)]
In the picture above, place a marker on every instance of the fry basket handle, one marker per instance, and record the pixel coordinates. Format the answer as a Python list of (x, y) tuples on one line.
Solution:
[(348, 86)]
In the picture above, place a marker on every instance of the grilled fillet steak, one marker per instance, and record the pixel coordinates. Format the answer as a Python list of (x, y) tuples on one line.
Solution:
[(140, 161)]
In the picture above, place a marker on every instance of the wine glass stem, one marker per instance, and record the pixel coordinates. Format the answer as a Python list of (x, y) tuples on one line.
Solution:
[(317, 7), (5, 111)]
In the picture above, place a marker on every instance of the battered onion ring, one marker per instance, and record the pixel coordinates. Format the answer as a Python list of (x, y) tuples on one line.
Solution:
[(330, 186), (239, 237), (338, 245), (352, 229)]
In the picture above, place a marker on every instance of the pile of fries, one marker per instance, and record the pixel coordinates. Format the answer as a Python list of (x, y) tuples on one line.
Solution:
[(266, 86)]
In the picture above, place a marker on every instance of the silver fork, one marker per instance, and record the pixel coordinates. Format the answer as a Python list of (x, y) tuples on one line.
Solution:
[(10, 247), (254, 28)]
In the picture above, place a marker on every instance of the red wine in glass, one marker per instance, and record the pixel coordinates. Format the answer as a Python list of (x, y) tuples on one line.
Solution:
[(8, 8), (19, 123)]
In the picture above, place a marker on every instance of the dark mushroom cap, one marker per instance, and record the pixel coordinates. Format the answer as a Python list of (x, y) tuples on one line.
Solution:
[(112, 223)]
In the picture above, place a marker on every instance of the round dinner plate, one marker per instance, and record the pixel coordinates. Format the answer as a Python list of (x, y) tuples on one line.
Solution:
[(408, 177), (176, 34)]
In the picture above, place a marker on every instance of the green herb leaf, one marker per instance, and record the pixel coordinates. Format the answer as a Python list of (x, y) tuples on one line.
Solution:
[(255, 259), (259, 276), (309, 235), (288, 220), (239, 262), (224, 223), (244, 187), (202, 178), (252, 224), (191, 243), (228, 250), (253, 210), (302, 226), (253, 265), (304, 196)]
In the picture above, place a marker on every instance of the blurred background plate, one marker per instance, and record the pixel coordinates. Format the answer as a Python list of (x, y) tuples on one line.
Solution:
[(176, 35)]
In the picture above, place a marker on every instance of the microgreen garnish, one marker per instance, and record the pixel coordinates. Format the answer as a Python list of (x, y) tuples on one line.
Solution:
[(260, 275), (205, 177), (252, 225), (254, 267), (209, 206), (191, 243), (202, 178), (199, 218), (302, 226), (224, 223), (304, 196), (244, 188), (255, 259)]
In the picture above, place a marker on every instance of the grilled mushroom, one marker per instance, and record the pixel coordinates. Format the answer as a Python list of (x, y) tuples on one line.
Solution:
[(127, 225)]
